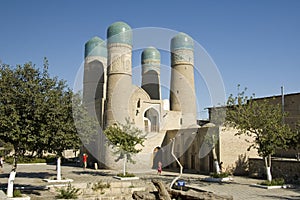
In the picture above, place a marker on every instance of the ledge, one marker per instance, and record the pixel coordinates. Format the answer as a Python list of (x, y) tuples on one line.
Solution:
[(21, 164), (24, 197), (126, 178), (58, 181), (270, 187), (218, 180)]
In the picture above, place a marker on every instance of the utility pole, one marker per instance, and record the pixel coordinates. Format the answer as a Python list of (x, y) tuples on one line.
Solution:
[(282, 103)]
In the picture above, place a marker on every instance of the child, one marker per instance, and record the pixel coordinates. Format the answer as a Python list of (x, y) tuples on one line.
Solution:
[(84, 157), (159, 169)]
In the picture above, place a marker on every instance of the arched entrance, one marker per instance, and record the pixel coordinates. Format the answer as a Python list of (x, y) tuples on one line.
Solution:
[(151, 120)]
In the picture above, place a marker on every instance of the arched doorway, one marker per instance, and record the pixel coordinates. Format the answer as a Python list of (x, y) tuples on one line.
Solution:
[(151, 121)]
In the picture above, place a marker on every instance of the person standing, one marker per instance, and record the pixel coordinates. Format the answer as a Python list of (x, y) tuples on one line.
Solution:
[(159, 168), (1, 162), (84, 158)]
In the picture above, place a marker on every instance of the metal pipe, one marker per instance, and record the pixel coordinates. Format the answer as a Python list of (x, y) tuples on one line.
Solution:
[(282, 103)]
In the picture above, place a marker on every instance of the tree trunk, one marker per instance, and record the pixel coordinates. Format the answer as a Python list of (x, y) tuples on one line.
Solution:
[(124, 164), (162, 191), (39, 153), (216, 162), (10, 184), (12, 175), (178, 162), (268, 167), (58, 167), (15, 161)]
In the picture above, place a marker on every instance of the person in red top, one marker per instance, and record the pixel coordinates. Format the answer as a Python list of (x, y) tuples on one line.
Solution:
[(84, 158), (159, 169)]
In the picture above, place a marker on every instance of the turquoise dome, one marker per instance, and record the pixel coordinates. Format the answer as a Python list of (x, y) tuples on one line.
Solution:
[(150, 53), (95, 47), (119, 32), (182, 41)]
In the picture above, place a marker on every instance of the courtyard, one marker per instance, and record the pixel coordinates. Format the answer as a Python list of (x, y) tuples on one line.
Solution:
[(29, 180)]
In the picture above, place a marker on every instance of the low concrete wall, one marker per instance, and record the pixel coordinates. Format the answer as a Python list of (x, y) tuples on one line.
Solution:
[(287, 169)]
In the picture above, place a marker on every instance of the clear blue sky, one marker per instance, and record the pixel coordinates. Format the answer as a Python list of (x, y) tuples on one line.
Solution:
[(253, 43)]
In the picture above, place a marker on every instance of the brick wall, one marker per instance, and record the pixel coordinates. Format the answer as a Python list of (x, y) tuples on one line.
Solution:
[(287, 169), (233, 151)]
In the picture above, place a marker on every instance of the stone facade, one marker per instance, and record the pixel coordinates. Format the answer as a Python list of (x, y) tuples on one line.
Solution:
[(233, 151), (110, 95), (291, 104)]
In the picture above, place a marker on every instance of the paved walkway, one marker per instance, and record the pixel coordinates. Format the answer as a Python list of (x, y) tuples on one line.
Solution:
[(32, 175)]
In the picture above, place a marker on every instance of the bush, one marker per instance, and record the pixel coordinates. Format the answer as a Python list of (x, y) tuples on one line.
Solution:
[(221, 175), (67, 193), (17, 193), (27, 159), (8, 160), (126, 175), (276, 181), (50, 159), (100, 186)]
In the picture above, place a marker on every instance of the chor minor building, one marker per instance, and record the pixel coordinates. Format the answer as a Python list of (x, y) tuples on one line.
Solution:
[(108, 91), (110, 95)]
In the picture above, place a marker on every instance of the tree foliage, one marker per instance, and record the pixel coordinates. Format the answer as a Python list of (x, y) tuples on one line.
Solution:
[(124, 139), (261, 120), (36, 111)]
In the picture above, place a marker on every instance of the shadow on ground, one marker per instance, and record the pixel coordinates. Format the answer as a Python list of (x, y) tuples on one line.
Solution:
[(23, 187), (281, 198), (40, 175), (93, 173)]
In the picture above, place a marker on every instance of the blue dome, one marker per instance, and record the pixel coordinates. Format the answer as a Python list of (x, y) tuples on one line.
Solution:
[(95, 47), (182, 41), (150, 53), (119, 32)]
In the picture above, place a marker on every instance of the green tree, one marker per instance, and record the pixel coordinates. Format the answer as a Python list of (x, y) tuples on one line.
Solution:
[(263, 122), (124, 139), (18, 105), (36, 112)]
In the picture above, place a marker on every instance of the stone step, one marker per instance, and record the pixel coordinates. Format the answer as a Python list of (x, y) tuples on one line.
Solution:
[(101, 197), (110, 191), (113, 184)]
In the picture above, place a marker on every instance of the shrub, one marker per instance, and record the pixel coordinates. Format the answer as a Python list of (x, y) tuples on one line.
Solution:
[(70, 192), (27, 159), (126, 175), (8, 160), (276, 181), (17, 193), (50, 159), (100, 186), (221, 175)]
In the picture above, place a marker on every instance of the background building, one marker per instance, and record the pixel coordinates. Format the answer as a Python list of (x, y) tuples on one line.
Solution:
[(110, 95)]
